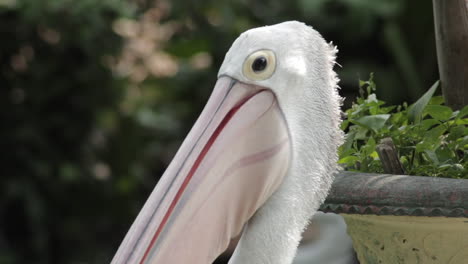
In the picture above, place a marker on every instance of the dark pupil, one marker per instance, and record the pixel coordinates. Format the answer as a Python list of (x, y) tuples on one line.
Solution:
[(259, 64)]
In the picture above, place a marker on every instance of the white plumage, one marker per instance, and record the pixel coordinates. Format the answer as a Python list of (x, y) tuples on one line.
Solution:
[(306, 88)]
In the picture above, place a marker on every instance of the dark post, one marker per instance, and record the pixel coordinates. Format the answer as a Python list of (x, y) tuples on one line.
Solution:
[(451, 30), (389, 157)]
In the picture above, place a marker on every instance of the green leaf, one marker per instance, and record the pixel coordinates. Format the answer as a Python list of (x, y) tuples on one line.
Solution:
[(463, 121), (398, 118), (436, 131), (344, 125), (388, 109), (349, 139), (362, 83), (456, 132), (369, 147), (343, 153), (434, 134), (445, 166), (348, 160), (445, 155), (436, 100), (439, 112), (426, 124), (415, 111), (463, 112), (361, 133), (432, 156), (374, 155), (373, 122), (463, 142), (423, 145)]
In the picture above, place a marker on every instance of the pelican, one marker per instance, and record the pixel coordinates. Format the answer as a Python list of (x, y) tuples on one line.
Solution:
[(258, 162)]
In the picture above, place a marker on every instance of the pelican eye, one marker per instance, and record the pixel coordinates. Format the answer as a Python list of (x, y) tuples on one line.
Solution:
[(260, 65)]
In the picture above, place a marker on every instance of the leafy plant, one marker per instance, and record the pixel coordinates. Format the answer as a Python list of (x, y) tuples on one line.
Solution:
[(431, 138)]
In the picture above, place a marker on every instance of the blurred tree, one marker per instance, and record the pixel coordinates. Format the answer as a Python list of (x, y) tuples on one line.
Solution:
[(393, 38), (54, 85), (451, 24)]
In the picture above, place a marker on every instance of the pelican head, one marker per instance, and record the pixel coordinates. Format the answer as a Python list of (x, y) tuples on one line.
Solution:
[(259, 160)]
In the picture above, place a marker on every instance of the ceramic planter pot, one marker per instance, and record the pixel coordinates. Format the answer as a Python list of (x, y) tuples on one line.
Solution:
[(403, 219)]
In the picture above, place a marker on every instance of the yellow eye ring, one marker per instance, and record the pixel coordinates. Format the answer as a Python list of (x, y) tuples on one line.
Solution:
[(259, 65)]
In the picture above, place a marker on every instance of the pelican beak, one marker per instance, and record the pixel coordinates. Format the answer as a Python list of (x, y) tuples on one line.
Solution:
[(234, 158)]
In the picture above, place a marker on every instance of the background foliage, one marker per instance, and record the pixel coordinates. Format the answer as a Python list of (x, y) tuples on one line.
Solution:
[(96, 96), (431, 138)]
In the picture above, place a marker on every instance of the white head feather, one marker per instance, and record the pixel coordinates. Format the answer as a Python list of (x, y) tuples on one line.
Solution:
[(306, 88)]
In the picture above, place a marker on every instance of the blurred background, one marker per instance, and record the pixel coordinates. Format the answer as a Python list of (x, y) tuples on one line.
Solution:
[(97, 95)]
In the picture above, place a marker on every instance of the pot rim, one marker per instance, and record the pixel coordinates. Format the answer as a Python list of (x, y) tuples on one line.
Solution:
[(386, 194)]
